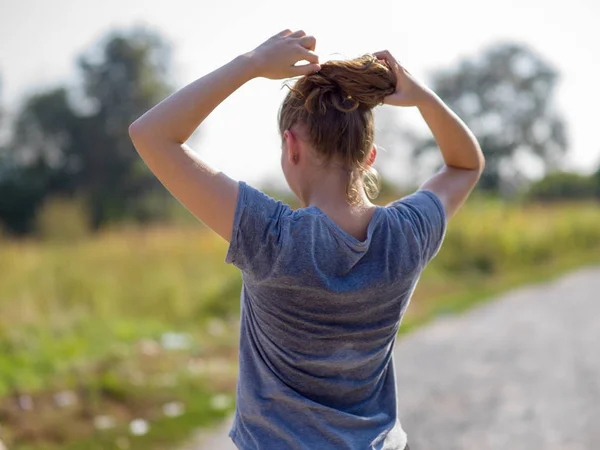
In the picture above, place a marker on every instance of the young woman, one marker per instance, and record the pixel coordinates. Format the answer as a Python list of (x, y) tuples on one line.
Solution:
[(325, 286)]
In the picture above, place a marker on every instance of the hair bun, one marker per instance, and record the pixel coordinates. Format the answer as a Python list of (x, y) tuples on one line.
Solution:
[(348, 85)]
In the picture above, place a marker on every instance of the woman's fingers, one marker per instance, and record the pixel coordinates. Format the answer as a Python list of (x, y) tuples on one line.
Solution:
[(305, 69), (302, 49), (391, 62), (310, 56), (387, 56), (383, 54), (309, 42), (307, 47)]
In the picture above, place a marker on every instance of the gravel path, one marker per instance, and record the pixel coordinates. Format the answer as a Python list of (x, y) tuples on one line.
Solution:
[(519, 373)]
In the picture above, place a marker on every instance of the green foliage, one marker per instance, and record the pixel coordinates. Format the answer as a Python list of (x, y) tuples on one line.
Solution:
[(128, 80), (64, 144), (94, 317), (493, 237), (21, 193), (596, 178), (565, 186), (90, 318), (63, 219), (505, 95)]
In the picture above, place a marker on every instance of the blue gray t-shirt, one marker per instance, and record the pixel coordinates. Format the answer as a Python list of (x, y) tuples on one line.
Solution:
[(319, 315)]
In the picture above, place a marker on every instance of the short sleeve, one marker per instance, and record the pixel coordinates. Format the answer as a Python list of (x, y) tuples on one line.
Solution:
[(424, 212), (256, 237)]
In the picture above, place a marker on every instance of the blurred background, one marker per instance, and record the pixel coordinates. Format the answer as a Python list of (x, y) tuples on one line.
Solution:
[(119, 317)]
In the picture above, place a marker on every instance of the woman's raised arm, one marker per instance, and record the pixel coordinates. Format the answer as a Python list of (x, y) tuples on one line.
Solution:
[(463, 158), (159, 135)]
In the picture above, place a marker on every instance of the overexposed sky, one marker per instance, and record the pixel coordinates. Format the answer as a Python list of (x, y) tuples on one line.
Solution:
[(39, 41)]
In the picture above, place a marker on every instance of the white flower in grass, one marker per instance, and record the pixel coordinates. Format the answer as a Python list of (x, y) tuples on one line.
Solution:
[(220, 402), (175, 341), (173, 409), (139, 427)]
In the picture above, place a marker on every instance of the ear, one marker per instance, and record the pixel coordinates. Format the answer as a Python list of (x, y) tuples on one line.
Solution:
[(372, 156), (293, 146)]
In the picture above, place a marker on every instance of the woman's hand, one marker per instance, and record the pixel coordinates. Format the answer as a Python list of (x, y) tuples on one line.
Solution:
[(409, 91), (275, 58)]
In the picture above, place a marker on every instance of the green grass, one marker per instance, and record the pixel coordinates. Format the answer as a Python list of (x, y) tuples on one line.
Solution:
[(93, 317), (476, 289)]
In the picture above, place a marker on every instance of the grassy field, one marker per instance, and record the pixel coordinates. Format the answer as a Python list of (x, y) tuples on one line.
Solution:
[(128, 339)]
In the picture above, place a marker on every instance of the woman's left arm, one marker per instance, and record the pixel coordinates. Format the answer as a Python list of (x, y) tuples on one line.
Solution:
[(159, 135)]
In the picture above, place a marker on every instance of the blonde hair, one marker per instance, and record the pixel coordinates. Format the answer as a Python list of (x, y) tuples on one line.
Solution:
[(335, 105)]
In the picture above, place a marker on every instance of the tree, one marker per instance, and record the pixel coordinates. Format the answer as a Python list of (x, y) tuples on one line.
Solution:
[(3, 128), (596, 177), (564, 186), (2, 148), (126, 82), (505, 96), (2, 112), (79, 145)]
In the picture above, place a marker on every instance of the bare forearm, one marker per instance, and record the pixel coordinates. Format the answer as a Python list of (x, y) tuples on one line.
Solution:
[(458, 145), (177, 117)]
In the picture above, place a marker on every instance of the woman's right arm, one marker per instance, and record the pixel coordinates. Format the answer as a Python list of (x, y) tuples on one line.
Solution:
[(464, 161)]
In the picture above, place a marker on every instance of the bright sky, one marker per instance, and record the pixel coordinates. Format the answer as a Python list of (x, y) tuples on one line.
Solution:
[(39, 41)]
